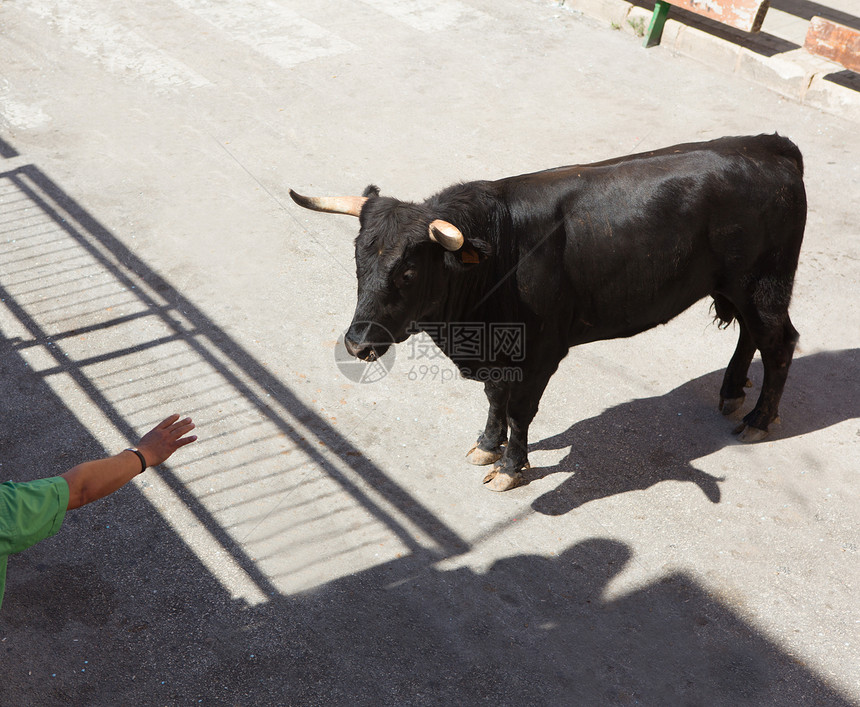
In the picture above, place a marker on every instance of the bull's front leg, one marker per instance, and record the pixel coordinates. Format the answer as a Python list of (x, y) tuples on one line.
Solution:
[(491, 444)]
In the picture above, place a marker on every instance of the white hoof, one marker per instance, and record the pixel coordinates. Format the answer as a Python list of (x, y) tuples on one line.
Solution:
[(496, 481), (480, 457)]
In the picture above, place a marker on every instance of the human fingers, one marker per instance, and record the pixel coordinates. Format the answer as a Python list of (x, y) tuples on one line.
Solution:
[(177, 429), (167, 422), (160, 444), (182, 441)]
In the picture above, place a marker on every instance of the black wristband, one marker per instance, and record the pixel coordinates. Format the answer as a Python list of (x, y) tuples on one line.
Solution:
[(139, 456)]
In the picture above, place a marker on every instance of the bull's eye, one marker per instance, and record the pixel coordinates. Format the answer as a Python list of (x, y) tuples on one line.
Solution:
[(405, 278)]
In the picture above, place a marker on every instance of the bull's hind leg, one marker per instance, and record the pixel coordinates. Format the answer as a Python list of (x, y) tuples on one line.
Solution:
[(763, 317), (776, 344), (735, 380), (732, 394)]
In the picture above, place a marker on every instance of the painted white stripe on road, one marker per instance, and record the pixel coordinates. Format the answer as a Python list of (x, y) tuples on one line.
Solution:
[(119, 49), (270, 28), (427, 16), (22, 116)]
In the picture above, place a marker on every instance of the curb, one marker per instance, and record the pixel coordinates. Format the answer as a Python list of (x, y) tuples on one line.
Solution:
[(795, 74)]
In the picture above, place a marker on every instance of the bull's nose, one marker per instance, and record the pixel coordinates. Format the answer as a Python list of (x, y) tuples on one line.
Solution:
[(363, 351)]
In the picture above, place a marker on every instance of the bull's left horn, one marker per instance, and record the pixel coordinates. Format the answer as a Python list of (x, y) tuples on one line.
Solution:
[(446, 235), (350, 205)]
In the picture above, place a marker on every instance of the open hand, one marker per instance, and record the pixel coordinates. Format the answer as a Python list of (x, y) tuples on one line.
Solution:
[(165, 438)]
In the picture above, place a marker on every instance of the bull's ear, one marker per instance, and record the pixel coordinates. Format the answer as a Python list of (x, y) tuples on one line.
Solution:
[(472, 253), (371, 190), (446, 235)]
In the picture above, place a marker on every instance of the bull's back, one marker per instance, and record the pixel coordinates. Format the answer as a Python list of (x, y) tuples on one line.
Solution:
[(639, 239)]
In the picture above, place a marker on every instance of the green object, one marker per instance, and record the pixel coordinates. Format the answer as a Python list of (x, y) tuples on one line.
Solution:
[(29, 512), (658, 19)]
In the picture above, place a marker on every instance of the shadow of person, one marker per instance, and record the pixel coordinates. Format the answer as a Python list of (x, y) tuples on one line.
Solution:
[(635, 445), (530, 630)]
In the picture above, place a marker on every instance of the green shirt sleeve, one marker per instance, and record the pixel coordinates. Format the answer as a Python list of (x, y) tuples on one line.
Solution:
[(29, 512)]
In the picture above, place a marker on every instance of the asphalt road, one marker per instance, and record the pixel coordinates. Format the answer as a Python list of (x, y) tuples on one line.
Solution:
[(325, 541)]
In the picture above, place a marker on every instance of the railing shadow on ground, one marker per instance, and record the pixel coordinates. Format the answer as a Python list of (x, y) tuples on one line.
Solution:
[(89, 310), (6, 150), (640, 443)]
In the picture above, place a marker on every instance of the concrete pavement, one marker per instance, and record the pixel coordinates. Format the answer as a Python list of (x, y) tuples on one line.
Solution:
[(325, 542)]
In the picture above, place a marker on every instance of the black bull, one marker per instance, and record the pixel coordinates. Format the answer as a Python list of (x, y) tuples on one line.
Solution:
[(583, 253)]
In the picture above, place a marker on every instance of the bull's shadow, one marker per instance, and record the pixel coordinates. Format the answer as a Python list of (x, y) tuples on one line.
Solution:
[(635, 445)]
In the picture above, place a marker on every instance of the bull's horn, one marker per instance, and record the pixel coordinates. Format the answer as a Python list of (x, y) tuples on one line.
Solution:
[(350, 205), (446, 235)]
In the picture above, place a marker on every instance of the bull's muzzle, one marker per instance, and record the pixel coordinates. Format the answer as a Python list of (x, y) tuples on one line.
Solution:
[(365, 352), (367, 341)]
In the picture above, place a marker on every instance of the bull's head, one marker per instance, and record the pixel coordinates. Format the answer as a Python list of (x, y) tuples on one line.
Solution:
[(400, 262)]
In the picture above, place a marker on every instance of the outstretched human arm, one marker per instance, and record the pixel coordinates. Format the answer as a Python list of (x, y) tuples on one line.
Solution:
[(93, 480)]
